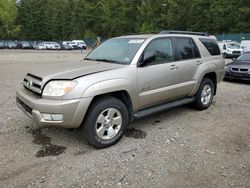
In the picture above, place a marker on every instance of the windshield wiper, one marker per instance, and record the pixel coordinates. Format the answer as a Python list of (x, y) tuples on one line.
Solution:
[(105, 60), (89, 59)]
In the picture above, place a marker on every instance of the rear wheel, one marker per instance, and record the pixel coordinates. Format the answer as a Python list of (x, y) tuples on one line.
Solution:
[(106, 122), (205, 94)]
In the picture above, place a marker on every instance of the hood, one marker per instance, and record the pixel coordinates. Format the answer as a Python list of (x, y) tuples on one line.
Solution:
[(71, 71), (239, 63)]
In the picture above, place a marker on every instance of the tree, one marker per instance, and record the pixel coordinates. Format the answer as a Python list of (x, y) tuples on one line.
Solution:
[(8, 13), (152, 15)]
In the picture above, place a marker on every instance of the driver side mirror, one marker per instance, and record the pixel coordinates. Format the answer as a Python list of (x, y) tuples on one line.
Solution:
[(147, 58)]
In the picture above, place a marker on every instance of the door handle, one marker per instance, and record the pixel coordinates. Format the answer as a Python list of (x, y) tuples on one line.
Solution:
[(198, 62), (173, 67)]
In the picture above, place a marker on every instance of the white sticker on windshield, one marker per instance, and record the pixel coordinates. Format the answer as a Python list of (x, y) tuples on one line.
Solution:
[(136, 41)]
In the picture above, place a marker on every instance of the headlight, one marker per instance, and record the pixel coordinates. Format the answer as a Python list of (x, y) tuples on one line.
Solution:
[(58, 88), (226, 68)]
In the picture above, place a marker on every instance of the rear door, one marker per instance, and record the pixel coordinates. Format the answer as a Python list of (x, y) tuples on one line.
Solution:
[(188, 60)]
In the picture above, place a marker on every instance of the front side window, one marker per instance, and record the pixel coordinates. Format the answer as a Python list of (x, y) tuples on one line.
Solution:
[(211, 45), (186, 49), (117, 50), (162, 49)]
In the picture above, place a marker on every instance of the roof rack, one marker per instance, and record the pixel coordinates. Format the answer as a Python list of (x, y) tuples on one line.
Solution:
[(141, 33), (183, 32)]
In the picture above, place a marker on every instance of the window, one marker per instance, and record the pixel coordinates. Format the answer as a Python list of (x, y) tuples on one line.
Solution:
[(162, 48), (211, 46), (186, 49), (117, 50)]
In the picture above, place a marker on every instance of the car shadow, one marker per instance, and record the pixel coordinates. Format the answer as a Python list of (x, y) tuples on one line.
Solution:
[(243, 82), (54, 141)]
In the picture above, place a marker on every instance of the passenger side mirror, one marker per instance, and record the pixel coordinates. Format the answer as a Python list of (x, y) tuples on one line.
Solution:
[(147, 58)]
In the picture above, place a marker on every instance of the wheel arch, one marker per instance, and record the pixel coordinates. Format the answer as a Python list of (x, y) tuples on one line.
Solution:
[(122, 95), (212, 76)]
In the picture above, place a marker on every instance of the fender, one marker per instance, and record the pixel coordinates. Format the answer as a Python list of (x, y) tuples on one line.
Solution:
[(200, 75), (109, 86)]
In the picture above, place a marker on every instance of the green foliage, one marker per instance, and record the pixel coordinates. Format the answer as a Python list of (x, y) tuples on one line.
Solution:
[(77, 19), (8, 26)]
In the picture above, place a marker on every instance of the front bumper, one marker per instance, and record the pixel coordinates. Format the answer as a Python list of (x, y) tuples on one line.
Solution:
[(237, 76), (34, 106), (233, 54)]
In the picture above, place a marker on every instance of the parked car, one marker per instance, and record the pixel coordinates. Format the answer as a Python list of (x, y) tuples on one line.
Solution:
[(41, 46), (230, 49), (123, 79), (73, 45), (10, 45), (245, 44), (64, 46), (33, 44), (239, 69), (51, 45), (80, 44), (23, 45), (2, 45)]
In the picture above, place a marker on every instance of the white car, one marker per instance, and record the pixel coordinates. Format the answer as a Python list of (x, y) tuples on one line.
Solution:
[(230, 48), (72, 44), (80, 44), (41, 46), (52, 46), (245, 44)]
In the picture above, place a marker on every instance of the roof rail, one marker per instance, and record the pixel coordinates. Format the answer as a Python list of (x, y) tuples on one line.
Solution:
[(183, 32), (141, 33)]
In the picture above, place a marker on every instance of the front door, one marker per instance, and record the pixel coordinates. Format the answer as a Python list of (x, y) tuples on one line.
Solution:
[(158, 80)]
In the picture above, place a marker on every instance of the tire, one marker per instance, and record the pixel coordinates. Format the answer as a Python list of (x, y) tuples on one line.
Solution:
[(100, 128), (224, 55), (205, 94)]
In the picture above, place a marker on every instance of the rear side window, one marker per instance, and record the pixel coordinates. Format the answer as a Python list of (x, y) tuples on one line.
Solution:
[(211, 45), (186, 49)]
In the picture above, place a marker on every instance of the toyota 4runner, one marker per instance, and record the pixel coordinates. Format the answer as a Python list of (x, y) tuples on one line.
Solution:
[(123, 79)]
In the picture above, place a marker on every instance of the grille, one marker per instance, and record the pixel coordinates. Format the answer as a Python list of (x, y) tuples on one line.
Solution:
[(243, 70), (236, 52), (235, 69), (239, 69), (33, 83), (26, 107)]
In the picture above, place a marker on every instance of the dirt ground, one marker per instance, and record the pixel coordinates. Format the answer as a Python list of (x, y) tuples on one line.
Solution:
[(177, 148)]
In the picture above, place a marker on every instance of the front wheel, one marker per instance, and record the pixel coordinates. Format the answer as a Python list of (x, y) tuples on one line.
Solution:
[(106, 122), (205, 94)]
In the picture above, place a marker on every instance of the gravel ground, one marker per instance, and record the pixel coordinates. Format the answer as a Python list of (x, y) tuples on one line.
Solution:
[(178, 148)]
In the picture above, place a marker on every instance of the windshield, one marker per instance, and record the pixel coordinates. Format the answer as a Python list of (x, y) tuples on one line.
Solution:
[(244, 57), (234, 46), (118, 50)]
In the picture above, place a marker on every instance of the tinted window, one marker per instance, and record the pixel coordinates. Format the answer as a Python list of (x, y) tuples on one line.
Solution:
[(211, 46), (162, 48), (244, 57), (186, 49)]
